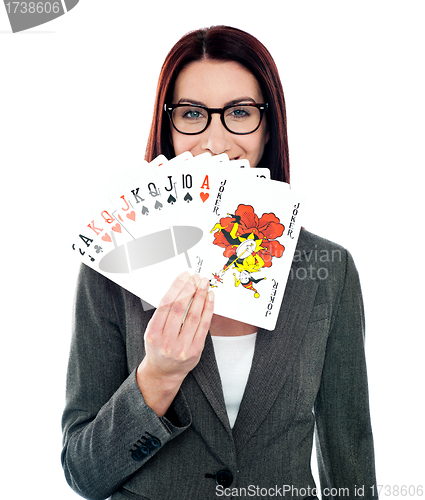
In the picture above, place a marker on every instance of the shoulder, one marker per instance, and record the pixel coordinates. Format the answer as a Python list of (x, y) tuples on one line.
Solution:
[(91, 283), (96, 284), (98, 295), (309, 241), (325, 261), (315, 250)]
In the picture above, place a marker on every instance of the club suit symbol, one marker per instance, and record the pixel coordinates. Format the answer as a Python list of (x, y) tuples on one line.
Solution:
[(24, 15), (151, 249)]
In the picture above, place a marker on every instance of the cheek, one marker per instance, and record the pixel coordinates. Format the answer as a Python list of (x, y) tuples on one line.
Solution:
[(182, 143), (263, 139), (254, 147)]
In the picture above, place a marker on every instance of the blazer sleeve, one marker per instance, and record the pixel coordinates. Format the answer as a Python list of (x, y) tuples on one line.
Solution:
[(344, 440), (109, 432)]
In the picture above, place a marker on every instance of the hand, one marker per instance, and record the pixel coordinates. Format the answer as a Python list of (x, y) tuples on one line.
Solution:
[(174, 340)]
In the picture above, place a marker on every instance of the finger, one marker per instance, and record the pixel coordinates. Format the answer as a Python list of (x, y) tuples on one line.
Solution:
[(191, 339), (195, 309), (180, 306), (205, 322), (199, 316), (160, 316)]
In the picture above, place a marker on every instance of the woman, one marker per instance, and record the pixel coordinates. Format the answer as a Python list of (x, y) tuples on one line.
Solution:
[(155, 410)]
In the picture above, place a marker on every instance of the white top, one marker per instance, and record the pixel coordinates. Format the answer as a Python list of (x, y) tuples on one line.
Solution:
[(234, 359)]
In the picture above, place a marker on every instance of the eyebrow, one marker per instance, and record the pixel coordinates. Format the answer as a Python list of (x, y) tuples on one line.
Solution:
[(230, 103)]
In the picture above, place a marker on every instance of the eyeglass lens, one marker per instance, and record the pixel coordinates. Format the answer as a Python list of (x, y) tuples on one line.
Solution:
[(239, 119)]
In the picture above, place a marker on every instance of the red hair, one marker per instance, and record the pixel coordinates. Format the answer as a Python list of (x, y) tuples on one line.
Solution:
[(224, 43)]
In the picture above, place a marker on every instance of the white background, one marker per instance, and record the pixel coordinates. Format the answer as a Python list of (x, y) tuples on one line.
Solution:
[(76, 99)]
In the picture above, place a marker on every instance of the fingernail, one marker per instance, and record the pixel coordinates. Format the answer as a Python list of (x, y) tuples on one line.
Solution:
[(183, 276), (211, 296), (204, 283), (195, 279)]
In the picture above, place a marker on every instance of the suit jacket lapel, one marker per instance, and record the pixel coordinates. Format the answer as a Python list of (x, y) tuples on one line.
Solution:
[(207, 375), (274, 354)]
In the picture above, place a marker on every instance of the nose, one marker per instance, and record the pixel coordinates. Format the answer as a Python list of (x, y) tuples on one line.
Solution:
[(216, 138)]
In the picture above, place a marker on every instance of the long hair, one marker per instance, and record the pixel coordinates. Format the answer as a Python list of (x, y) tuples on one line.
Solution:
[(224, 43)]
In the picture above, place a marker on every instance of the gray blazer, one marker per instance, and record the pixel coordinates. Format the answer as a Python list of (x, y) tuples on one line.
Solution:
[(308, 374)]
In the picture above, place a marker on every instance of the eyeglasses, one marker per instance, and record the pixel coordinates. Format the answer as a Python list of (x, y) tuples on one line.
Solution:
[(192, 119)]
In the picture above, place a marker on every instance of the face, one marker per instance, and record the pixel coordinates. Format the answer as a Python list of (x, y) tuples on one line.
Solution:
[(215, 84)]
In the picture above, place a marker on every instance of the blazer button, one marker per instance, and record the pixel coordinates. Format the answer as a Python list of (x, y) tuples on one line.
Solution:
[(140, 453), (224, 478), (153, 443)]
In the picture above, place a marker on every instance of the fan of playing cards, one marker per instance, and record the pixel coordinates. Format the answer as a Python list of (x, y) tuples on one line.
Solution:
[(206, 214)]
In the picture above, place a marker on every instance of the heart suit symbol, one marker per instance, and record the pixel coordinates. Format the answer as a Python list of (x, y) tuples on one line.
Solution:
[(204, 197)]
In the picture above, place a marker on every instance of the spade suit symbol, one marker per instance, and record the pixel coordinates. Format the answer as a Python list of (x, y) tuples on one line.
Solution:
[(171, 199), (158, 205), (145, 210), (188, 198), (43, 11)]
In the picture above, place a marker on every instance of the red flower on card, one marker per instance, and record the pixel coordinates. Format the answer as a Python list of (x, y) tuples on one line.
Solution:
[(244, 230)]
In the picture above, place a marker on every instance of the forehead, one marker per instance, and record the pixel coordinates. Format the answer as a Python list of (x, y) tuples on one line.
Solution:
[(216, 83)]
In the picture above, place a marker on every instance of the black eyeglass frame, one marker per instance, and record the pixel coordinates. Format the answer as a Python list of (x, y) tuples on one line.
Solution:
[(261, 107)]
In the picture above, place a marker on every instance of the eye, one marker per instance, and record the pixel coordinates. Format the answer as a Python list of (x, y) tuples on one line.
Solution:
[(191, 114), (238, 113)]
